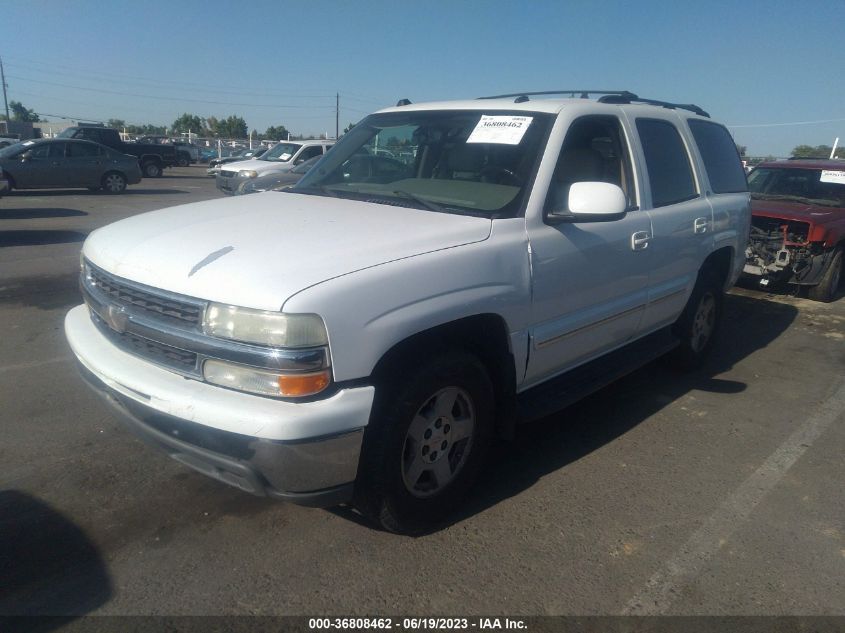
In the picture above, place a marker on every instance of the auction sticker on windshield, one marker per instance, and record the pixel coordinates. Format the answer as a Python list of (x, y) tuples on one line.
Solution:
[(507, 130), (836, 177)]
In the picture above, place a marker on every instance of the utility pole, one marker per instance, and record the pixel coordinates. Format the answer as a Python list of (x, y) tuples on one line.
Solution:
[(3, 81), (337, 116)]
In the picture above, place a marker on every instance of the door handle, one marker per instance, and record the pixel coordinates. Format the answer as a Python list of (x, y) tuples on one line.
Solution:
[(700, 225), (640, 240)]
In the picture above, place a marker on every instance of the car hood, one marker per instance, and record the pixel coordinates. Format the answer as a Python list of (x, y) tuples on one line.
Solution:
[(261, 166), (800, 211), (257, 251)]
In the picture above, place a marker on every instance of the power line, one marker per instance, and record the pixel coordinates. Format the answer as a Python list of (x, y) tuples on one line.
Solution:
[(184, 85), (123, 76), (140, 96), (787, 124)]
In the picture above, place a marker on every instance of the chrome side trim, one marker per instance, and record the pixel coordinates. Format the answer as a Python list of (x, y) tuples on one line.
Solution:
[(671, 295), (589, 326)]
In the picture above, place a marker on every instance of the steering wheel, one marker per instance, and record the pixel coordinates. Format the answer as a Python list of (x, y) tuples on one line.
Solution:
[(500, 176)]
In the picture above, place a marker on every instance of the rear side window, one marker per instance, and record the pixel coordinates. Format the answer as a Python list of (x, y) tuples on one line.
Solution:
[(667, 161), (82, 150), (721, 160)]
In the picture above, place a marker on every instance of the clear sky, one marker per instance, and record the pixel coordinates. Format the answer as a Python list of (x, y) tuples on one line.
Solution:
[(771, 70)]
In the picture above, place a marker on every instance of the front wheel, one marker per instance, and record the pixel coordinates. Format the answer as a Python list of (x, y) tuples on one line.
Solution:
[(699, 322), (114, 182), (425, 443), (826, 289)]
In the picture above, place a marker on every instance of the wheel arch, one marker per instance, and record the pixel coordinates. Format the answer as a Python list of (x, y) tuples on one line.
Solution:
[(483, 335), (721, 261)]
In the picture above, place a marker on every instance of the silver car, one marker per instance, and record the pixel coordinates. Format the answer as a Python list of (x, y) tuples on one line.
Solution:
[(68, 163)]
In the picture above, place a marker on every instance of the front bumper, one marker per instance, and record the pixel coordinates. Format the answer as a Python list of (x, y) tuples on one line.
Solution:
[(306, 453), (228, 184)]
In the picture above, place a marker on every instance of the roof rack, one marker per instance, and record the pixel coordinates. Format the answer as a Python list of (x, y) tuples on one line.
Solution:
[(521, 97), (607, 96), (632, 98)]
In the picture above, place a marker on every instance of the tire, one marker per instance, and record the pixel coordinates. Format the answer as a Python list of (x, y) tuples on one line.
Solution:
[(183, 160), (699, 323), (151, 169), (114, 182), (826, 289), (414, 439)]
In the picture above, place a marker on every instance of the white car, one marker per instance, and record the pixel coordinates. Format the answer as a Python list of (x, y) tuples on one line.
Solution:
[(363, 336), (279, 158)]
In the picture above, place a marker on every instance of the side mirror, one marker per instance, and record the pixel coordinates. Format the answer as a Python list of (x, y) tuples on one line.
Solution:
[(593, 202), (26, 156)]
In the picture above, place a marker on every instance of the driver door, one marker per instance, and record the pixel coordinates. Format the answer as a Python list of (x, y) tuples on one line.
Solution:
[(590, 277)]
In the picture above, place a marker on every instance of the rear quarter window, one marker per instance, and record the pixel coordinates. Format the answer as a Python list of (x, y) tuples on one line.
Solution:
[(721, 159)]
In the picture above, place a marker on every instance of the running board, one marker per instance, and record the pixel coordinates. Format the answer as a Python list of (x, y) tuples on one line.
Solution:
[(563, 391)]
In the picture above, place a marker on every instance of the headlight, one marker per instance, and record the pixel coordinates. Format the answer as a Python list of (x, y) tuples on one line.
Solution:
[(247, 173), (274, 329)]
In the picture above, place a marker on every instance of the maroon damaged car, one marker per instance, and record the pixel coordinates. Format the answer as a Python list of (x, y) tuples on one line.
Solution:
[(798, 225)]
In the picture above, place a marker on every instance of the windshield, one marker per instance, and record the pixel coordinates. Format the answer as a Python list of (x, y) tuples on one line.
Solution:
[(282, 152), (456, 161), (11, 150), (813, 186)]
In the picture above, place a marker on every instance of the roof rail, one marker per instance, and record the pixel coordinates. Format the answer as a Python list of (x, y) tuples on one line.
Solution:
[(632, 98), (522, 97)]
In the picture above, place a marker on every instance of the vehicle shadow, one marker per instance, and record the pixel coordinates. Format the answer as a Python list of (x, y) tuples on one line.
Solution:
[(136, 192), (46, 293), (50, 567), (40, 238), (33, 214), (565, 437), (130, 190)]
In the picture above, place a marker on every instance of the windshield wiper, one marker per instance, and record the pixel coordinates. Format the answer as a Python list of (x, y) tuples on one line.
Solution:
[(428, 204), (321, 189)]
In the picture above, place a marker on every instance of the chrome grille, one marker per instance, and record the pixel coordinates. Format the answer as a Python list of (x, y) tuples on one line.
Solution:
[(228, 174), (148, 302), (159, 353)]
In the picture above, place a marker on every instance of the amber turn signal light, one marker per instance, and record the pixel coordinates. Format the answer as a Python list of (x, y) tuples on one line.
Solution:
[(297, 385)]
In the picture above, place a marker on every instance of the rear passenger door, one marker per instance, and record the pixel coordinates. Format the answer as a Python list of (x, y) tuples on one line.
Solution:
[(681, 218), (83, 164)]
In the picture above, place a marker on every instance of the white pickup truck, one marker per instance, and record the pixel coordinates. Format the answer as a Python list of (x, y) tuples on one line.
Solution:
[(361, 337)]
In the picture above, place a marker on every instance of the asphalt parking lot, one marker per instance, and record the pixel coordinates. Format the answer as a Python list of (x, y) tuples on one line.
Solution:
[(717, 492)]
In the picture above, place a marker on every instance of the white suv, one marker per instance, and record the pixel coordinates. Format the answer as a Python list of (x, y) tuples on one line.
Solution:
[(280, 158), (448, 271)]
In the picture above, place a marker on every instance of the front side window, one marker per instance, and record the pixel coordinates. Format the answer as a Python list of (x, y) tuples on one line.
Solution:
[(281, 153), (453, 161), (808, 186), (594, 150), (667, 161), (720, 156), (309, 152)]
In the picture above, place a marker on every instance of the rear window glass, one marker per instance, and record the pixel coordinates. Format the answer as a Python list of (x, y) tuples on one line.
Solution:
[(721, 160), (669, 171)]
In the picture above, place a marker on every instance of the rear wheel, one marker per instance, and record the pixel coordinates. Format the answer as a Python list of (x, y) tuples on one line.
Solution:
[(832, 277), (183, 160), (114, 182), (425, 443), (699, 322), (151, 169)]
